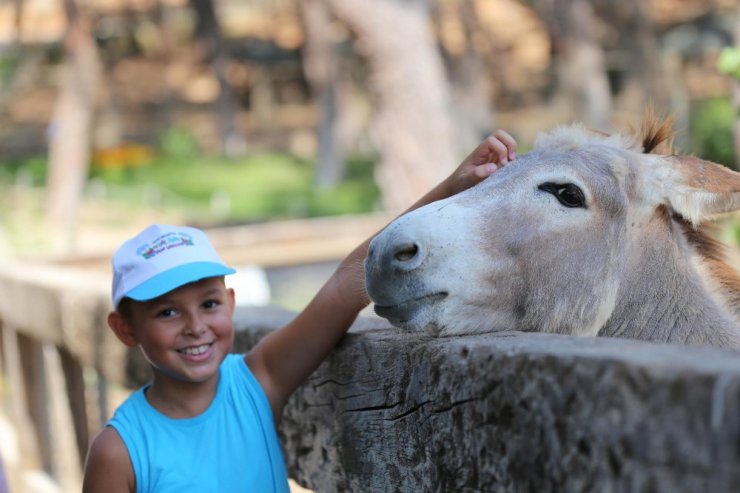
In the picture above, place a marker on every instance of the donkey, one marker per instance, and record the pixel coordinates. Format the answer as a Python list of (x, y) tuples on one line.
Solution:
[(588, 234)]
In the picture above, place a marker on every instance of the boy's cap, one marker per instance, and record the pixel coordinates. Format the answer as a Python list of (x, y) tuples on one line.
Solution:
[(162, 258)]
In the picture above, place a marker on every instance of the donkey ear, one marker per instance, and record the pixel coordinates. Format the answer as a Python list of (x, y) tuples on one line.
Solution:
[(701, 188)]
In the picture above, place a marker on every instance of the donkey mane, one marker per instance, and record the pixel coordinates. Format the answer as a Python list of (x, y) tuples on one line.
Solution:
[(656, 131), (713, 254), (656, 136)]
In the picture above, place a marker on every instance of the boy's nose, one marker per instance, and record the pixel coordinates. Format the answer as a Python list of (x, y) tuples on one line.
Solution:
[(195, 326)]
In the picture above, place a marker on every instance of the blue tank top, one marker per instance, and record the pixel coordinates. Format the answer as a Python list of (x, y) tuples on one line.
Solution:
[(231, 447)]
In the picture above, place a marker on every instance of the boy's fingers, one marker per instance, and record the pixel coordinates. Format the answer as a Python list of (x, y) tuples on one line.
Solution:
[(508, 141), (498, 151)]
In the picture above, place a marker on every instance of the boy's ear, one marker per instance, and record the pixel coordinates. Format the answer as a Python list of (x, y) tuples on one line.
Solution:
[(232, 300), (122, 328)]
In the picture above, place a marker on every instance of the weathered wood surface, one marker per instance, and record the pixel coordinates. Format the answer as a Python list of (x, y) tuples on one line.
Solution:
[(64, 306), (511, 412)]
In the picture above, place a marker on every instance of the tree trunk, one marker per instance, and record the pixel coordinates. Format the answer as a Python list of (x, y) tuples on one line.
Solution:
[(655, 76), (581, 69), (69, 131), (736, 95), (209, 33), (320, 68), (412, 121), (18, 21), (649, 58), (471, 81)]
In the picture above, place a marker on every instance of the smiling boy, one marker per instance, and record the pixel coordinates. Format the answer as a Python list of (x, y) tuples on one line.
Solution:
[(206, 422)]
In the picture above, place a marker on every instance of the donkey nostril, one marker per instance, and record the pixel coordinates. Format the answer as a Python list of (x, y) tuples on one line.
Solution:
[(406, 252)]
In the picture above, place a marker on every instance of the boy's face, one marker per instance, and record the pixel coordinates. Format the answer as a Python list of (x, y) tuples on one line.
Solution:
[(185, 334)]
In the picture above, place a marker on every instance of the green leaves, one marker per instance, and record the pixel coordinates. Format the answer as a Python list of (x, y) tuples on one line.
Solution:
[(729, 62)]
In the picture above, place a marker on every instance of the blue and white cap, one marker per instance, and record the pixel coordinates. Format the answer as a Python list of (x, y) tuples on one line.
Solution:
[(162, 258)]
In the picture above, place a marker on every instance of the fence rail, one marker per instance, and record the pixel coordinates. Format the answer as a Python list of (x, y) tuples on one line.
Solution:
[(512, 412)]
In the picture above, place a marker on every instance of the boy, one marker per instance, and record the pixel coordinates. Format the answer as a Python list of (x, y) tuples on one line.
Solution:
[(206, 422)]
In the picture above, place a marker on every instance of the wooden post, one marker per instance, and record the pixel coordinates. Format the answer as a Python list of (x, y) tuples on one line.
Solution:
[(34, 381), (66, 467), (77, 400), (19, 415)]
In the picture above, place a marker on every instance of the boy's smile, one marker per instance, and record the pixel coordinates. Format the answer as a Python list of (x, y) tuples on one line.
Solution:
[(197, 352)]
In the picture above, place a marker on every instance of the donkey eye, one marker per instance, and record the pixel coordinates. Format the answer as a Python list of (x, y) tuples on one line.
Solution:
[(567, 194)]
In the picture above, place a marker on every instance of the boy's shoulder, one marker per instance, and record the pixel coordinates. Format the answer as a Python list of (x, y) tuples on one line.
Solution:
[(109, 446), (108, 461)]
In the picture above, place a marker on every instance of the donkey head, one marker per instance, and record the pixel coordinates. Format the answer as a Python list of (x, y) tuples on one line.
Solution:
[(549, 242)]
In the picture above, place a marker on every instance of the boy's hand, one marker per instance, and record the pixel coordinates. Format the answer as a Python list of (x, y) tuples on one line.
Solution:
[(494, 152)]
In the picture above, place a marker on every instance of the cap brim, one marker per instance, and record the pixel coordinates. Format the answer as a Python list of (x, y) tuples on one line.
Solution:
[(166, 281)]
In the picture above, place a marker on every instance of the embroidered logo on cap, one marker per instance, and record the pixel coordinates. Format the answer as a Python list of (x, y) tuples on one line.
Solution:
[(163, 243)]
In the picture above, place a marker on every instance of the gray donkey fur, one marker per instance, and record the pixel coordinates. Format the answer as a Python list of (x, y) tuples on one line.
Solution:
[(587, 234)]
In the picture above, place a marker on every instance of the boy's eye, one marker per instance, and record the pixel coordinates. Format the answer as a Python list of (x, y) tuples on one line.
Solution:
[(166, 313), (211, 304)]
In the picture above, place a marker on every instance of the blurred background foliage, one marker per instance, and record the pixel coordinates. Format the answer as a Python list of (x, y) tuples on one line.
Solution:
[(221, 112), (258, 187), (711, 131)]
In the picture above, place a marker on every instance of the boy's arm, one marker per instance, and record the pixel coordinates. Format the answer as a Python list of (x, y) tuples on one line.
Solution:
[(282, 360), (108, 467)]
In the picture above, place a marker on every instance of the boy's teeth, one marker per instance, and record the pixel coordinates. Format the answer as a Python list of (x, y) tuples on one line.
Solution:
[(196, 350)]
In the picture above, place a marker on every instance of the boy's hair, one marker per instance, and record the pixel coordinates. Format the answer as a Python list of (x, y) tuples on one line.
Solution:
[(162, 258), (126, 309)]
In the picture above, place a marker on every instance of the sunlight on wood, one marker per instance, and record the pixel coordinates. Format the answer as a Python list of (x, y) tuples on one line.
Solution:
[(296, 488)]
